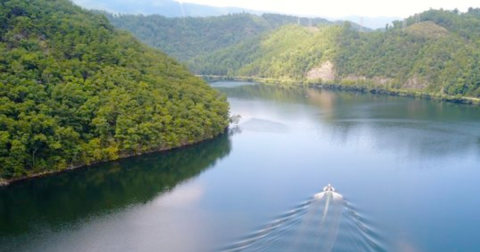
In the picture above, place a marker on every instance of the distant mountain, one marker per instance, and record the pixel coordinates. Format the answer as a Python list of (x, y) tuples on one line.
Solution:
[(167, 8), (435, 51), (171, 8), (185, 38), (370, 22)]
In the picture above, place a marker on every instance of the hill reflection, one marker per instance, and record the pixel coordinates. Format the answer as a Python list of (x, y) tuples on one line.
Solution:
[(409, 127), (71, 196)]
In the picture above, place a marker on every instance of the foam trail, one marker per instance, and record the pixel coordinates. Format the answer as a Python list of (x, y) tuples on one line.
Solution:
[(325, 211), (337, 196), (329, 224), (324, 223), (319, 195), (278, 223), (304, 226)]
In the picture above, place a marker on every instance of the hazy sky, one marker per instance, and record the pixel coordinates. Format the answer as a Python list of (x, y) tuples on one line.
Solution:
[(342, 8)]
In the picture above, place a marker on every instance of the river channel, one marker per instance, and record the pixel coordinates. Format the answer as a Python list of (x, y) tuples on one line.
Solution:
[(405, 171)]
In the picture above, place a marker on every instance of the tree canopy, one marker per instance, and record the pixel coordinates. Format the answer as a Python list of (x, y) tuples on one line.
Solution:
[(185, 38), (75, 91)]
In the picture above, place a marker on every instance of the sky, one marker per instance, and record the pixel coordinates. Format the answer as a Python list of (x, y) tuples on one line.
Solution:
[(344, 8)]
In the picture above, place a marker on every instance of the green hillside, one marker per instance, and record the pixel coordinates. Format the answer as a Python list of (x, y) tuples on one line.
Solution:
[(185, 38), (436, 52), (286, 53), (74, 91)]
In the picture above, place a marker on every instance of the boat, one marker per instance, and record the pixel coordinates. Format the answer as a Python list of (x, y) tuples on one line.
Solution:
[(329, 188)]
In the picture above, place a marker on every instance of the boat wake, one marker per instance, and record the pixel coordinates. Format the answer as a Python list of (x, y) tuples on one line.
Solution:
[(325, 222)]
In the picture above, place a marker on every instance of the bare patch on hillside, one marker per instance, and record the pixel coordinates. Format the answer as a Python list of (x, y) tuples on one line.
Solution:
[(326, 72), (415, 83)]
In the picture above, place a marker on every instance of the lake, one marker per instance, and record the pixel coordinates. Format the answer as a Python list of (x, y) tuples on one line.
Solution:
[(405, 172)]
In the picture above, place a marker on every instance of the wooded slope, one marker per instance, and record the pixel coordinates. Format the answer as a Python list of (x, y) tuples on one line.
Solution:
[(74, 90)]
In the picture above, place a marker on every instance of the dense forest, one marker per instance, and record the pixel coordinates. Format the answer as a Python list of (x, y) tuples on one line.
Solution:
[(436, 51), (185, 38), (75, 91), (285, 53)]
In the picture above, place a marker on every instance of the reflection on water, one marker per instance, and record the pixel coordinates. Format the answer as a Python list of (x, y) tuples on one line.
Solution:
[(407, 170), (260, 125), (229, 84), (421, 127), (395, 156), (62, 200)]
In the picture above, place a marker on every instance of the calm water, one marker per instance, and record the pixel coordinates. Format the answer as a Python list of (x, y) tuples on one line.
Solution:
[(406, 173)]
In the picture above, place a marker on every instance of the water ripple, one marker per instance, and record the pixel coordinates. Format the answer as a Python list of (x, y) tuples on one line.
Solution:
[(325, 222)]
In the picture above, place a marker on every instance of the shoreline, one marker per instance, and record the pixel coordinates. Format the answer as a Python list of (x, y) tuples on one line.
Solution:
[(358, 87), (8, 182)]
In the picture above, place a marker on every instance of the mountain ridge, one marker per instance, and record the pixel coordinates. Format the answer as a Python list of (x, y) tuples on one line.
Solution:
[(185, 38), (434, 52)]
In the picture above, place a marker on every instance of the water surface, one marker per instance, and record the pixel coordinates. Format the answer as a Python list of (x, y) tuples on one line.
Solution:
[(405, 171)]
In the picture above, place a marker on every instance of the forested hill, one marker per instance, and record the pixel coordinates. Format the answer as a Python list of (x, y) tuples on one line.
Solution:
[(73, 91), (437, 52), (185, 38)]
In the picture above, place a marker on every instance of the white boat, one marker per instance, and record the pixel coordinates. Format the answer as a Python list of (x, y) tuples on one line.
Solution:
[(329, 188)]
